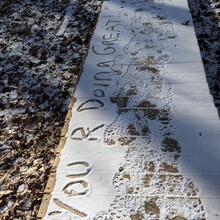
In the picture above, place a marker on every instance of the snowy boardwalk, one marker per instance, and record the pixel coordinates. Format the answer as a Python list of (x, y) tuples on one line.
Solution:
[(143, 140)]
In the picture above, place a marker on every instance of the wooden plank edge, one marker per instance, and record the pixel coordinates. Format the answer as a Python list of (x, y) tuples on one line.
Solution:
[(66, 124), (46, 198), (52, 177), (44, 206)]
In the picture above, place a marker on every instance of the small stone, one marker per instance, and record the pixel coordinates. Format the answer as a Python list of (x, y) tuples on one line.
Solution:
[(121, 169), (73, 69), (58, 59), (63, 50)]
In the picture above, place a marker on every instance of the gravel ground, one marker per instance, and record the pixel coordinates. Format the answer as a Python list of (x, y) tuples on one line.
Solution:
[(40, 61), (206, 18)]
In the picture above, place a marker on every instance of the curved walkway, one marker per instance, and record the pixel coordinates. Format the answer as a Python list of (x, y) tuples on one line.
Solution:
[(143, 138)]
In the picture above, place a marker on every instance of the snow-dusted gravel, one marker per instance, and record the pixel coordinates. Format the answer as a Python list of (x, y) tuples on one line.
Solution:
[(42, 48), (206, 17)]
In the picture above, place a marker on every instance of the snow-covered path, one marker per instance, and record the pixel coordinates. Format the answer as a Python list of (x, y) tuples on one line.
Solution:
[(143, 139)]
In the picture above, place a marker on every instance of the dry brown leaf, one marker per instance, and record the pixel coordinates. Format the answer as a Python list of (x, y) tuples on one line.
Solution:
[(5, 192), (4, 177)]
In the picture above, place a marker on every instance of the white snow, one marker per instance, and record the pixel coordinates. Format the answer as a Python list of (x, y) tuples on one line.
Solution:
[(144, 129)]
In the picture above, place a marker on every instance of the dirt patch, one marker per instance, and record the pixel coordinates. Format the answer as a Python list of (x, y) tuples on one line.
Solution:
[(170, 145), (179, 218), (137, 216), (147, 179), (152, 208), (169, 168)]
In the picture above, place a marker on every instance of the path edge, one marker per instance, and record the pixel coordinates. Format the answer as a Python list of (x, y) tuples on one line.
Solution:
[(52, 177)]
